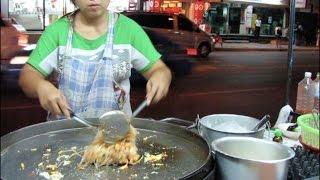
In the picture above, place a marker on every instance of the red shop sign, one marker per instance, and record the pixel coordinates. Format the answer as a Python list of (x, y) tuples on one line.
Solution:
[(155, 5), (172, 9), (198, 12)]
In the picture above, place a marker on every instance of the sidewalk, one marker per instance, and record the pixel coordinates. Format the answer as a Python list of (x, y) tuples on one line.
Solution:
[(247, 46)]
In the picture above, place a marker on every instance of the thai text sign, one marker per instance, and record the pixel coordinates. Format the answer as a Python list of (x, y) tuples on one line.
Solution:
[(198, 12)]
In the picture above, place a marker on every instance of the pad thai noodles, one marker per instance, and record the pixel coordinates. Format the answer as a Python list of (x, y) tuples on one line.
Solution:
[(123, 152)]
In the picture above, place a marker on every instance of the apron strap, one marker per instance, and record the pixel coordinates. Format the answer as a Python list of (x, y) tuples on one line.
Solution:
[(67, 52), (112, 19)]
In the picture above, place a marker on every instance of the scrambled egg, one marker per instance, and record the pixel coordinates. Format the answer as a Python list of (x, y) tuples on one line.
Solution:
[(154, 158)]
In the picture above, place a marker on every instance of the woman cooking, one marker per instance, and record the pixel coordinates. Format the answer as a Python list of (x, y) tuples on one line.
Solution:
[(92, 51)]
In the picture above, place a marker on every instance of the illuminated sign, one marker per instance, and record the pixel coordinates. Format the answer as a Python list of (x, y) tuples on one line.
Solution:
[(300, 3), (271, 2), (198, 12), (118, 6)]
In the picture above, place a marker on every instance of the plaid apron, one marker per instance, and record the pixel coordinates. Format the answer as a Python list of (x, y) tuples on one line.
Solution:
[(89, 86)]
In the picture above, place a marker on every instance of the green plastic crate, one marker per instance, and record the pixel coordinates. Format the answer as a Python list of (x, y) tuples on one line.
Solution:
[(309, 130)]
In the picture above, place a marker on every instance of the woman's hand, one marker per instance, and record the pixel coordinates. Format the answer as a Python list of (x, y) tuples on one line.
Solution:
[(159, 79), (52, 99), (35, 86)]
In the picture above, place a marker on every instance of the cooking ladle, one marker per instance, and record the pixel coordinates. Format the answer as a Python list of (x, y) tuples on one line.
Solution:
[(117, 123), (112, 122), (262, 122)]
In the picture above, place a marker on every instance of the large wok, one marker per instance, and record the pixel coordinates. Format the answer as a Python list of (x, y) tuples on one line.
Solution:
[(188, 154)]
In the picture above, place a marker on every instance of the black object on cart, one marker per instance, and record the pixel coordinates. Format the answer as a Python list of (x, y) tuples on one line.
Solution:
[(305, 165)]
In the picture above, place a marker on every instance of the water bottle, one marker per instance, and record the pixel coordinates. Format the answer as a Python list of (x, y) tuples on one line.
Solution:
[(305, 95), (316, 92)]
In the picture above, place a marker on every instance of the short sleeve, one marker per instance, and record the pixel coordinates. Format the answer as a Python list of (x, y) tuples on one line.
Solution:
[(144, 53), (44, 57)]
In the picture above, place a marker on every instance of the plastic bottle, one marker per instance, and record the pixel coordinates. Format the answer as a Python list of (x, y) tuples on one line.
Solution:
[(277, 136), (316, 92), (305, 95)]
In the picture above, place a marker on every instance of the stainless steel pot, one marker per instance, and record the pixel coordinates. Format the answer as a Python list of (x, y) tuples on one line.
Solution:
[(213, 127), (251, 158)]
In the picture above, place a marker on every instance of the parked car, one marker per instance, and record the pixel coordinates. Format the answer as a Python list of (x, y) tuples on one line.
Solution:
[(173, 33)]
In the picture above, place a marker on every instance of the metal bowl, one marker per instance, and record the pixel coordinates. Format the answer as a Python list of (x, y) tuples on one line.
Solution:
[(251, 158), (210, 127)]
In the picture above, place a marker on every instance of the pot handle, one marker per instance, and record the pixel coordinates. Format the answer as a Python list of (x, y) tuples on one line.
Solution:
[(183, 123), (195, 124)]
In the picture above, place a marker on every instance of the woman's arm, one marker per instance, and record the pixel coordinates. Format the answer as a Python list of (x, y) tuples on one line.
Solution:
[(35, 85), (159, 79)]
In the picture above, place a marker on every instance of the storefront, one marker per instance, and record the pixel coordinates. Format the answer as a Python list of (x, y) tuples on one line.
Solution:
[(308, 24), (36, 14), (225, 17), (239, 16), (193, 9), (173, 6)]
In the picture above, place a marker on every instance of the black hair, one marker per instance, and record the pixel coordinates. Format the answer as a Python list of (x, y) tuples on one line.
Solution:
[(73, 12)]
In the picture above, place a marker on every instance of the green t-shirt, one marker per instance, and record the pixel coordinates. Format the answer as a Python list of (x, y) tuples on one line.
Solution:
[(130, 43)]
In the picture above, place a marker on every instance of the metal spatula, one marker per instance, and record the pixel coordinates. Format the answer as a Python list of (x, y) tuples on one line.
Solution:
[(117, 123)]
